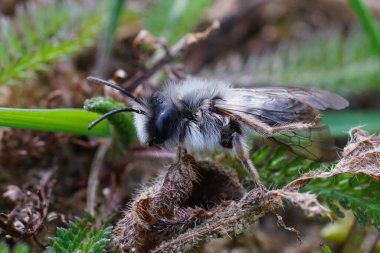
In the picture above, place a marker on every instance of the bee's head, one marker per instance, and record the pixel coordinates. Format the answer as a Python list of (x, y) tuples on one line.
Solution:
[(165, 116)]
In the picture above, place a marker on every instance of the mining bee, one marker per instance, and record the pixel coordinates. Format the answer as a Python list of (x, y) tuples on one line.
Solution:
[(197, 114)]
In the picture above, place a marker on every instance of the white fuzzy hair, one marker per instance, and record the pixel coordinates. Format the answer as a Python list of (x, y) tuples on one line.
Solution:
[(196, 94), (194, 89)]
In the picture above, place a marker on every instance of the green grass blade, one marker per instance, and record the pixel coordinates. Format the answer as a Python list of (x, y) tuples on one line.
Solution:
[(368, 22), (116, 8), (340, 122), (115, 14), (73, 121)]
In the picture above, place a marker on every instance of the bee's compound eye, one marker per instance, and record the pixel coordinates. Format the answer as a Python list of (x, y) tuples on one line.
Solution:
[(164, 124)]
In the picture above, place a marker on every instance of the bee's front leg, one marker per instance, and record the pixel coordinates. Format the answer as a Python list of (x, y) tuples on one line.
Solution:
[(181, 151), (242, 154)]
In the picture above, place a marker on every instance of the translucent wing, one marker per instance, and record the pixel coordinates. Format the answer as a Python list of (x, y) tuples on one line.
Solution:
[(314, 143), (319, 99), (281, 106)]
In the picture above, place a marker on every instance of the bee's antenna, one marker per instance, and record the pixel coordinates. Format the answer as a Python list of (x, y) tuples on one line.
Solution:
[(104, 116), (115, 86)]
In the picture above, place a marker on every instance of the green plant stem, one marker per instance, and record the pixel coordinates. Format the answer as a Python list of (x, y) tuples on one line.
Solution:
[(72, 121), (368, 22)]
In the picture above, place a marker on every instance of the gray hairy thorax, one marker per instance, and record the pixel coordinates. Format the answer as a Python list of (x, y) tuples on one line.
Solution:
[(203, 127), (200, 126)]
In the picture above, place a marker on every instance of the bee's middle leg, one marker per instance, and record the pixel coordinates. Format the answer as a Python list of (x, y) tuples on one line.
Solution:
[(242, 154), (267, 130), (295, 126)]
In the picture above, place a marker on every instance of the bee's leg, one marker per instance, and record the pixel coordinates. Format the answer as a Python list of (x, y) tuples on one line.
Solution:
[(274, 130), (242, 154), (181, 151), (267, 130), (294, 126)]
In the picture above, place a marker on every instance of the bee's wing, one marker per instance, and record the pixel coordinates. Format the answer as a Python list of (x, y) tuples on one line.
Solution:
[(316, 98), (281, 106), (314, 143)]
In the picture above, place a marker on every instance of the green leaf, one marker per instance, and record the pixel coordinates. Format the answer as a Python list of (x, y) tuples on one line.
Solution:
[(36, 38), (73, 121), (277, 170), (360, 194), (81, 236)]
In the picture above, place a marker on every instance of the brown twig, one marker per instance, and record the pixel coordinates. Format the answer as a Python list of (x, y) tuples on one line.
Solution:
[(93, 179), (170, 53)]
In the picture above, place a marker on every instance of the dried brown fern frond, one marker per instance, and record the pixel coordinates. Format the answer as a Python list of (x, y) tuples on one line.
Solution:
[(196, 201), (360, 156)]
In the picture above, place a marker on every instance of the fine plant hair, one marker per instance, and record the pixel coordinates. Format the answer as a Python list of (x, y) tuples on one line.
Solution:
[(34, 37)]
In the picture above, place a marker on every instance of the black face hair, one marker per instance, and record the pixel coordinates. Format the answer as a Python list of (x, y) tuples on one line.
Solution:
[(122, 90)]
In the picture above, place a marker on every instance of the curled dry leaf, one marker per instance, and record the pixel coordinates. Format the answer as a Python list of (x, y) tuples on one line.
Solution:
[(360, 156), (186, 195), (30, 211), (196, 201), (306, 201)]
